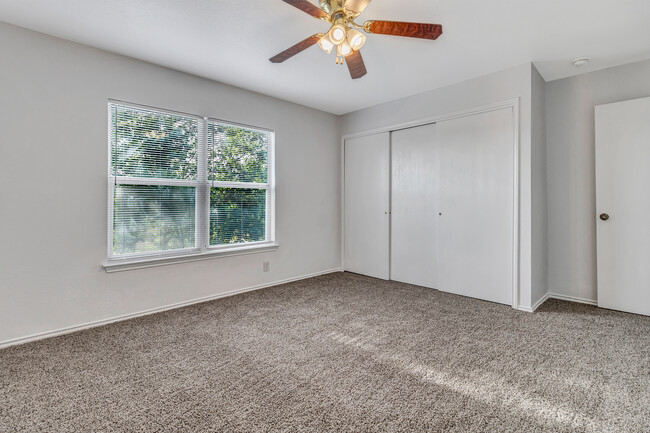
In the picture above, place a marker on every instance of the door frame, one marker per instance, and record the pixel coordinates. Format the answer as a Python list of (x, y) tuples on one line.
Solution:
[(509, 103)]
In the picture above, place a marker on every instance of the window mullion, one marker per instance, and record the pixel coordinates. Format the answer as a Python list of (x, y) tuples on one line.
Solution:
[(202, 190), (206, 195)]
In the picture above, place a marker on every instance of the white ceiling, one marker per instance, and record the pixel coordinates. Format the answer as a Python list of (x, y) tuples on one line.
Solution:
[(231, 40)]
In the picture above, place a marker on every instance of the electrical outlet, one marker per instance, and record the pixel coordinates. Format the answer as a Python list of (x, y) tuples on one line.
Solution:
[(266, 266)]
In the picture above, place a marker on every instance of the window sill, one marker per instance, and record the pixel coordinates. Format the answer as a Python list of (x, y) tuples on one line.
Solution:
[(118, 265)]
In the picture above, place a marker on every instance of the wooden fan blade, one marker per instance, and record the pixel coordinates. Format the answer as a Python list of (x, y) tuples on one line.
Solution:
[(397, 28), (307, 7), (299, 47), (355, 65)]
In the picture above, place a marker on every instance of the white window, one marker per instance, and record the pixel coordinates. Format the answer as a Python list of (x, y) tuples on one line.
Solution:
[(185, 186)]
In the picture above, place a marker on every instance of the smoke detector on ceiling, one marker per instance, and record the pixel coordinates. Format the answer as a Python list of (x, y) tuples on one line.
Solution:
[(580, 61)]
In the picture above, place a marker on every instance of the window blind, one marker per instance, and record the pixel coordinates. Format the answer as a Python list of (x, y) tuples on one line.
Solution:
[(238, 172), (237, 215), (237, 154), (185, 183), (153, 145), (150, 218), (155, 169)]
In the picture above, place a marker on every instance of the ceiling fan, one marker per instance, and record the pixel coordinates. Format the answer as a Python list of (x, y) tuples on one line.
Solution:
[(344, 33)]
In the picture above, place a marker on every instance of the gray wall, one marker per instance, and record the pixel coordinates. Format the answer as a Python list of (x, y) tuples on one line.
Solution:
[(539, 222), (53, 159), (500, 86), (53, 168), (571, 170)]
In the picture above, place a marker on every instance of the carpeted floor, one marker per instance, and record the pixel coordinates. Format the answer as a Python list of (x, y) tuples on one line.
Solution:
[(343, 353)]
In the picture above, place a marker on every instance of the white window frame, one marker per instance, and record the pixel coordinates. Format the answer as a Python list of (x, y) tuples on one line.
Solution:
[(203, 250)]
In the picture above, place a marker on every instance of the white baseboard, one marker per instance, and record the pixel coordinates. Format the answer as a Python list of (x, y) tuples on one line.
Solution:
[(94, 324), (573, 299), (540, 302), (536, 306), (557, 296)]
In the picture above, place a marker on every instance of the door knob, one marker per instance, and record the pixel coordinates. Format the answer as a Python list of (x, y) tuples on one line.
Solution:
[(604, 216)]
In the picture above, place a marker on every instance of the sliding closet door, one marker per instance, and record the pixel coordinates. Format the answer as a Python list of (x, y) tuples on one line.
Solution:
[(415, 171), (476, 205), (367, 190), (453, 205)]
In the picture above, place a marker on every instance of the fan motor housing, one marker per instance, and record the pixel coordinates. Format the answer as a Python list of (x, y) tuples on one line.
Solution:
[(336, 7)]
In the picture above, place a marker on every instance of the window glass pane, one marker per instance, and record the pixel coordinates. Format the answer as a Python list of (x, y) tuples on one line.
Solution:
[(238, 154), (237, 215), (148, 144), (152, 218)]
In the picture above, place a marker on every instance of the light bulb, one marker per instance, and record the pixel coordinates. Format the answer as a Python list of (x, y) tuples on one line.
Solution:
[(344, 49), (325, 44), (356, 39), (337, 34)]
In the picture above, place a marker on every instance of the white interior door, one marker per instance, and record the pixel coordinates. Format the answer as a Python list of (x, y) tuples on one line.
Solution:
[(367, 192), (476, 205), (415, 172), (622, 193)]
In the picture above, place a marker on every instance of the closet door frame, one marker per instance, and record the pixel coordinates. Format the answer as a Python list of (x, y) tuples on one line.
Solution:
[(513, 104)]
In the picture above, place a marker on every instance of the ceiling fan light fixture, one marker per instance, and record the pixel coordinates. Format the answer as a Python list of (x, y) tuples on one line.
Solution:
[(356, 39), (337, 34), (325, 44), (345, 35)]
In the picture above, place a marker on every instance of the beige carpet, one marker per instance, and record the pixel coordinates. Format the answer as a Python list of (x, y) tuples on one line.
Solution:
[(338, 353)]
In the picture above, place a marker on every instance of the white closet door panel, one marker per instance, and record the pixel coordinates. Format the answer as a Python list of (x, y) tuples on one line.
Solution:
[(367, 189), (413, 231), (622, 180), (476, 203)]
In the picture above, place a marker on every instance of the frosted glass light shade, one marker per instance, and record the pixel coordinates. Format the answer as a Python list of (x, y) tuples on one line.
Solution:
[(325, 44), (337, 34), (356, 39), (344, 49)]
